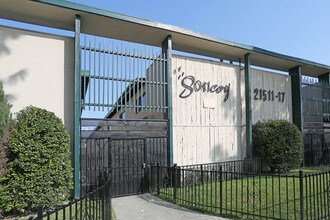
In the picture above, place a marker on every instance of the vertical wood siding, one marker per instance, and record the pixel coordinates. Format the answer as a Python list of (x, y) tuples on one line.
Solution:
[(202, 133), (276, 109), (208, 129)]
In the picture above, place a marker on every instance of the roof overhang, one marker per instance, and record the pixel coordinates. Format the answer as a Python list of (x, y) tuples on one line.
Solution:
[(61, 14)]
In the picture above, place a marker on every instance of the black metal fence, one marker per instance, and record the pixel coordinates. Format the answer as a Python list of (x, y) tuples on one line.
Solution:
[(241, 166), (242, 195), (95, 205)]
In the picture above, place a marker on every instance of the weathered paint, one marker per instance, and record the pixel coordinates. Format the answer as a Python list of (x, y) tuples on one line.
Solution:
[(270, 107), (206, 128), (202, 133)]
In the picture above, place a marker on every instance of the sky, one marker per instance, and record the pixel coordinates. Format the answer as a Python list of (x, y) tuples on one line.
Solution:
[(298, 28)]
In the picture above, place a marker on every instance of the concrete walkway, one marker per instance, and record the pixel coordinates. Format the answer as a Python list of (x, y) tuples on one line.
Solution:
[(148, 207)]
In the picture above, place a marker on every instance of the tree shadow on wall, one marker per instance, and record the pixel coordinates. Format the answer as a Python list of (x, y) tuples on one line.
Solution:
[(12, 79), (4, 37)]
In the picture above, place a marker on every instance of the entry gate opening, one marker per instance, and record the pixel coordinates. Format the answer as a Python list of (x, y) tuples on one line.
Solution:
[(125, 83), (126, 147)]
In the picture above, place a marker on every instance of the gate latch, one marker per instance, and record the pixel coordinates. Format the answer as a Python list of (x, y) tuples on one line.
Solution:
[(144, 165)]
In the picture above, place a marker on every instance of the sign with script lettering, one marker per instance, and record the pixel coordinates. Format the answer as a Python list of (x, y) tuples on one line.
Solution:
[(190, 85)]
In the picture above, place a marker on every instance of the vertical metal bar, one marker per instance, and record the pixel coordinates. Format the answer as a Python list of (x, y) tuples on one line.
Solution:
[(165, 83), (160, 81), (294, 197), (117, 80), (77, 108), (134, 94), (103, 89), (149, 80), (40, 211), (84, 89), (152, 78), (158, 179), (138, 92), (121, 77), (99, 78), (248, 105), (129, 77), (301, 188), (145, 78), (167, 49), (113, 77), (125, 76), (221, 196), (157, 72), (76, 209), (108, 74), (70, 210), (141, 80), (89, 74), (94, 74)]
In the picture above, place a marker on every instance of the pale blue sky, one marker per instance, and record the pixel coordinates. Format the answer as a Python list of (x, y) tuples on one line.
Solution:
[(298, 28)]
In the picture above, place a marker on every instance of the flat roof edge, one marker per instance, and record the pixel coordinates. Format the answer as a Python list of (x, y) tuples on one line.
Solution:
[(176, 29)]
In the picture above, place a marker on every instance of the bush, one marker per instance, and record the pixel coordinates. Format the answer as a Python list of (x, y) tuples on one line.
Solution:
[(39, 168), (5, 128), (279, 143), (4, 110)]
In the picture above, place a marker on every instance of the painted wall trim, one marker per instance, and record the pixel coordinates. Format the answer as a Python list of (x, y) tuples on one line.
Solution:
[(77, 107), (167, 49)]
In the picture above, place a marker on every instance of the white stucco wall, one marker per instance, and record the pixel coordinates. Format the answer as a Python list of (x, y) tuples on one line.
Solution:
[(38, 69)]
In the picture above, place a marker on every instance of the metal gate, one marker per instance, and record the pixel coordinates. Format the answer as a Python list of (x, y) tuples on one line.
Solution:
[(316, 113), (126, 147)]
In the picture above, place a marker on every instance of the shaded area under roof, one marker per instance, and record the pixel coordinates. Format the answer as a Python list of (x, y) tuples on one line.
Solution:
[(99, 22)]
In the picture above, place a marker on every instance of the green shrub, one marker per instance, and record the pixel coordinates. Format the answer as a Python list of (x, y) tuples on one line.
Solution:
[(5, 130), (4, 110), (279, 143), (39, 168)]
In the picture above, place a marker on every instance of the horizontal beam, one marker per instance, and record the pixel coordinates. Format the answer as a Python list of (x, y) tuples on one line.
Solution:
[(123, 134), (60, 14)]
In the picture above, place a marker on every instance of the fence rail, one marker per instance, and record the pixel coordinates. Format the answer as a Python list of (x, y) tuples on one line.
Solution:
[(241, 195), (241, 166), (94, 205)]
